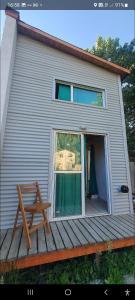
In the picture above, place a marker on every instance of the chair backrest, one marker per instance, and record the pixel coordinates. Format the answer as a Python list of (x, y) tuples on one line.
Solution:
[(29, 188)]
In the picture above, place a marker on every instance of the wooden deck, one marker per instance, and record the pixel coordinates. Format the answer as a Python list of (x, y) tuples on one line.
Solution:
[(68, 239)]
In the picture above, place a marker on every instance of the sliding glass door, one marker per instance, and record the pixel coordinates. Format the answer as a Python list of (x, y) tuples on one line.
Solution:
[(67, 175)]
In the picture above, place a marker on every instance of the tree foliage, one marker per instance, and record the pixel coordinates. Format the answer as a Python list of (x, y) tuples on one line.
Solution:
[(111, 50)]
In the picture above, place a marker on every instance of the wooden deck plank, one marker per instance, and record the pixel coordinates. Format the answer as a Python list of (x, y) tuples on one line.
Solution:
[(123, 224), (117, 226), (6, 245), (124, 218), (96, 226), (87, 234), (70, 232), (56, 236), (50, 241), (114, 227), (64, 235), (105, 230), (2, 236), (78, 233), (117, 219), (116, 231), (94, 235), (33, 249), (13, 252), (130, 218), (94, 232), (109, 227), (130, 223), (41, 240), (127, 222), (23, 247)]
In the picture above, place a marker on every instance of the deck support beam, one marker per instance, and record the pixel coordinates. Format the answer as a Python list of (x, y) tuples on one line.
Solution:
[(54, 256)]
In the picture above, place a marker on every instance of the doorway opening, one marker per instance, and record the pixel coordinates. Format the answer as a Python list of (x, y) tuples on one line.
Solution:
[(95, 174)]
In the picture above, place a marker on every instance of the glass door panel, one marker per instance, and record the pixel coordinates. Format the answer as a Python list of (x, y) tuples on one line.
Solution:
[(67, 175)]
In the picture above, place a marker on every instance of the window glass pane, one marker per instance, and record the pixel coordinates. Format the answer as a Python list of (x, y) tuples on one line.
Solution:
[(87, 97), (67, 195), (68, 152), (62, 92)]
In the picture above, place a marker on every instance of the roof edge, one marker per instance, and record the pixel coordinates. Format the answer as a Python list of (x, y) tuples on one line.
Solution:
[(12, 13), (54, 42)]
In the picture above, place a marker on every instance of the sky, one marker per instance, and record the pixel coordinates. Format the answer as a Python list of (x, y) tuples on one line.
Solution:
[(82, 28)]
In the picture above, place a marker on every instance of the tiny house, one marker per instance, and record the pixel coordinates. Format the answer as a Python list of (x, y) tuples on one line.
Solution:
[(63, 125)]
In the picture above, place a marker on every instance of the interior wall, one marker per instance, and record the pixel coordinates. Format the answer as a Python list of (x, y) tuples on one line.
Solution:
[(98, 142)]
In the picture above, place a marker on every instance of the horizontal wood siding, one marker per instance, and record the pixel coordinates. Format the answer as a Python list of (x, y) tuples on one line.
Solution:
[(132, 174), (32, 115)]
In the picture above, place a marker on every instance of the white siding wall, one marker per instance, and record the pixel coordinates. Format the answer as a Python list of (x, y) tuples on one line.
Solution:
[(32, 114)]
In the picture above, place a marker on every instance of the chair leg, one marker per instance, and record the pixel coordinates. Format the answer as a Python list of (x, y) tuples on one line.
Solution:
[(15, 223), (46, 221), (26, 229)]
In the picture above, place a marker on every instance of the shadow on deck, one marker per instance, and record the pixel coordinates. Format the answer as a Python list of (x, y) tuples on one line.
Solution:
[(68, 239)]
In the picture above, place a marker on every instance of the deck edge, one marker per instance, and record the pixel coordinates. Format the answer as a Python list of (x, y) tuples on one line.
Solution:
[(50, 257)]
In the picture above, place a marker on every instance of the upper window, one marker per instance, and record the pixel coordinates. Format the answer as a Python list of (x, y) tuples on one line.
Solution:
[(80, 95), (63, 92), (85, 96)]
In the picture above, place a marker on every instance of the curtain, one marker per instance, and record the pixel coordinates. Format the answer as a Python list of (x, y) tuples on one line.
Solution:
[(93, 189), (68, 195), (63, 92)]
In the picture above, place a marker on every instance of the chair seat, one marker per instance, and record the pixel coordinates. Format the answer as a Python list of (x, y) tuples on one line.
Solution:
[(37, 207)]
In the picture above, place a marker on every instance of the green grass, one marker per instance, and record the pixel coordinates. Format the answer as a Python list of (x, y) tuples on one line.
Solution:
[(109, 266)]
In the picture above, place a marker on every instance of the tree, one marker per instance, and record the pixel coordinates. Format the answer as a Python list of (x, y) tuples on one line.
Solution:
[(111, 50)]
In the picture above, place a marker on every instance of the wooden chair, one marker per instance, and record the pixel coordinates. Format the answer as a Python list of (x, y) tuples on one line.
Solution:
[(37, 207)]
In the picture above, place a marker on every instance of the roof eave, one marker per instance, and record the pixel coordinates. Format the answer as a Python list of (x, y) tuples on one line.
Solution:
[(63, 46), (56, 43)]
